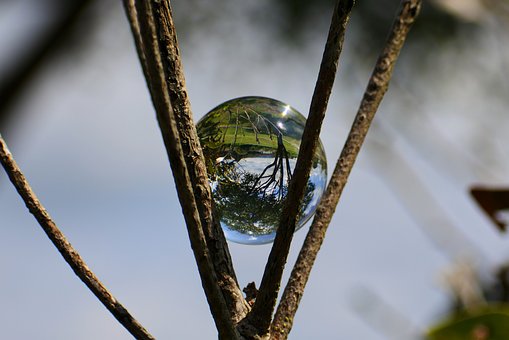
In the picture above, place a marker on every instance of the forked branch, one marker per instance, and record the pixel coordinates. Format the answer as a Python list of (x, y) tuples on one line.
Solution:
[(70, 254), (377, 86)]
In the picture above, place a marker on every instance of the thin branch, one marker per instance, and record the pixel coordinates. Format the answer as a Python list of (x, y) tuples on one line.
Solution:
[(45, 46), (381, 316), (145, 29), (263, 308), (132, 17), (70, 254), (428, 214), (373, 95)]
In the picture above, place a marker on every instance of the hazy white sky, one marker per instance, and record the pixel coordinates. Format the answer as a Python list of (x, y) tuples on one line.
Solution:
[(89, 144)]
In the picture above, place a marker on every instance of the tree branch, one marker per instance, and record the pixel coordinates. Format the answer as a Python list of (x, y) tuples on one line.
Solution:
[(132, 17), (70, 254), (377, 86), (49, 43), (195, 161), (263, 308), (219, 284)]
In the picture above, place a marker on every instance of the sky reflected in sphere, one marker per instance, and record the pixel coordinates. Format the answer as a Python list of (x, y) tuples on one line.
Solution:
[(251, 146)]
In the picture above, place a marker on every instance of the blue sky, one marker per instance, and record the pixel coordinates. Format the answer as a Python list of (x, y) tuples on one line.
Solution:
[(89, 144)]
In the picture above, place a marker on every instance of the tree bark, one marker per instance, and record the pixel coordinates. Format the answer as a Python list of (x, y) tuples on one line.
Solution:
[(377, 86), (261, 314), (156, 41), (70, 255)]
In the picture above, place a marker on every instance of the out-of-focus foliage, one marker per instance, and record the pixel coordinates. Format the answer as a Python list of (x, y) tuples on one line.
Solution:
[(482, 324), (292, 21), (451, 76)]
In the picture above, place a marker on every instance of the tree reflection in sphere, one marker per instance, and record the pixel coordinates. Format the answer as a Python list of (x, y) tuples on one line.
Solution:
[(251, 146)]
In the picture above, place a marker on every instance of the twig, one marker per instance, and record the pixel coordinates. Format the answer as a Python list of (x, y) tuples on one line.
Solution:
[(70, 254), (142, 20), (46, 46), (373, 95), (429, 215), (132, 17), (381, 316), (263, 308)]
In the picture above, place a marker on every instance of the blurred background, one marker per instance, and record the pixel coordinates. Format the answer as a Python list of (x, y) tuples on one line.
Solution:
[(76, 114)]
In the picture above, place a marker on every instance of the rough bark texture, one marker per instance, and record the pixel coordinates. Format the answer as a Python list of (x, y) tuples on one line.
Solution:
[(261, 314), (156, 42), (373, 95), (70, 254), (155, 36), (193, 154)]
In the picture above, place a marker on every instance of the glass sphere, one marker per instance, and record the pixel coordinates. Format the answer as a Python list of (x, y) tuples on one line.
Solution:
[(251, 146)]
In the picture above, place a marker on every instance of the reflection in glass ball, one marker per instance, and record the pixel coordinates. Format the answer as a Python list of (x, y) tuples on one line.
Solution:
[(251, 146)]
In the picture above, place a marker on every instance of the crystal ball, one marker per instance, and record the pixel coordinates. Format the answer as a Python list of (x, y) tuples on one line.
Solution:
[(251, 146)]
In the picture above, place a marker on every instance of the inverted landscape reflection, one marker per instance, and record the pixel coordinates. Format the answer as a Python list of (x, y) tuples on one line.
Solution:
[(251, 146)]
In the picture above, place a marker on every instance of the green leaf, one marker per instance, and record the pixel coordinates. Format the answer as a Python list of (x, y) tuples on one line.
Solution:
[(490, 322)]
